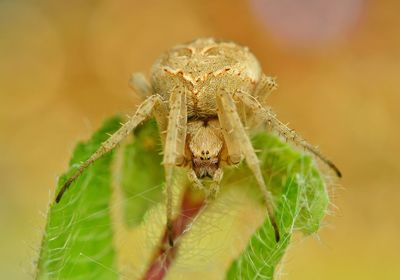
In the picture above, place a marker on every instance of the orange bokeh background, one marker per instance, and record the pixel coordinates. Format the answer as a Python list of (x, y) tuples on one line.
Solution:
[(64, 67)]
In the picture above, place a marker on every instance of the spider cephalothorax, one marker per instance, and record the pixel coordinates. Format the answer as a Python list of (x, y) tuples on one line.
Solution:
[(203, 95)]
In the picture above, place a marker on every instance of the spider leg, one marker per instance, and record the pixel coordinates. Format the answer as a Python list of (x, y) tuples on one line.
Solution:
[(228, 131), (214, 187), (227, 108), (265, 87), (269, 117), (174, 148), (143, 112), (194, 180), (140, 85)]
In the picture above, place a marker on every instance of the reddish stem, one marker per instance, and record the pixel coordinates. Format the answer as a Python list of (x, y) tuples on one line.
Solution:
[(165, 255)]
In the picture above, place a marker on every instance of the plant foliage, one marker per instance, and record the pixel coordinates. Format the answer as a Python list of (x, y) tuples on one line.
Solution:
[(78, 239)]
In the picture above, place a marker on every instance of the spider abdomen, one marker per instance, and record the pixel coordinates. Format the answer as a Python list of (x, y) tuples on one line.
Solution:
[(202, 68)]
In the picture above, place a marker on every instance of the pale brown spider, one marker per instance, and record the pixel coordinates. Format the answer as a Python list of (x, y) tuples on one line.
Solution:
[(204, 95)]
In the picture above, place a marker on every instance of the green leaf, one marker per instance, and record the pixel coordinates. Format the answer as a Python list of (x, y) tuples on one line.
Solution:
[(301, 200), (142, 173), (77, 242)]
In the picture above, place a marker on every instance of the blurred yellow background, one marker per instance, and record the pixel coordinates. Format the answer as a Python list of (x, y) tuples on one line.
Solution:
[(64, 67)]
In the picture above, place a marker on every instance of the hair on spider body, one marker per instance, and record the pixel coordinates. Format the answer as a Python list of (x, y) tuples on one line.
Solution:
[(203, 94)]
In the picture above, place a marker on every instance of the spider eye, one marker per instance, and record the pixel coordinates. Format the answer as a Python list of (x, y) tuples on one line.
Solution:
[(205, 155)]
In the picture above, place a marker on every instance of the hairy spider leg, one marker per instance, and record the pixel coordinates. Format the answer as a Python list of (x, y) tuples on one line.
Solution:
[(216, 180), (234, 129), (214, 187), (143, 112), (265, 87), (174, 147), (269, 117), (140, 85)]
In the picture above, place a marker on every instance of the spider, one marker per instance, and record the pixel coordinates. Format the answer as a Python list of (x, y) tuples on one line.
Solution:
[(205, 95)]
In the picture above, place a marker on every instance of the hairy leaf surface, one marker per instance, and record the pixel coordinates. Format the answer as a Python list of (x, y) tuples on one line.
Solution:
[(301, 201), (78, 240), (77, 243)]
